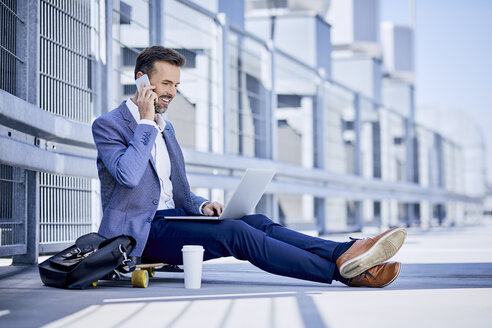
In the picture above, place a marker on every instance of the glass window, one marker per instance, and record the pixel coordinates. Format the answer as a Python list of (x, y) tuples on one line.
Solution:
[(393, 146), (130, 36), (339, 116), (196, 112), (339, 214), (296, 211), (249, 97), (296, 89), (425, 141), (370, 139), (295, 86)]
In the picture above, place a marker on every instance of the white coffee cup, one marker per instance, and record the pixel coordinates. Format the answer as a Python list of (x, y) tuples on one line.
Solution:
[(192, 261)]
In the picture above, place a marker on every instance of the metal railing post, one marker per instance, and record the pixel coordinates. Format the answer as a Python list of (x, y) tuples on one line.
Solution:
[(31, 84), (222, 18), (319, 149), (32, 222), (410, 155), (32, 53), (273, 151), (357, 156), (156, 22), (107, 71)]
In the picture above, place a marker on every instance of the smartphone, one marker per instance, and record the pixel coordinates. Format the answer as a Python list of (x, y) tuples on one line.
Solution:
[(144, 78)]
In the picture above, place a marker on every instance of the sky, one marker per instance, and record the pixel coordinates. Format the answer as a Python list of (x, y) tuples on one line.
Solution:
[(453, 57)]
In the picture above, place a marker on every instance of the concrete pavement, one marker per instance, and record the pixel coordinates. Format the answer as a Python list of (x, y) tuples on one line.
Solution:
[(446, 281)]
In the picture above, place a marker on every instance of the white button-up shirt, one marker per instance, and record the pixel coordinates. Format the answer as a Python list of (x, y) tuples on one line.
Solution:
[(160, 156)]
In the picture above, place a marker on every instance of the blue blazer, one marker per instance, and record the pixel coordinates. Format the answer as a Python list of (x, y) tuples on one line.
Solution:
[(130, 187)]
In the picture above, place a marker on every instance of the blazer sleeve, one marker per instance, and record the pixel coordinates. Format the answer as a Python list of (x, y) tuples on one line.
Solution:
[(126, 161), (197, 202)]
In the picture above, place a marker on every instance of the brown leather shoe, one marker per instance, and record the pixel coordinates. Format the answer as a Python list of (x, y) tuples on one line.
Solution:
[(379, 276), (369, 252)]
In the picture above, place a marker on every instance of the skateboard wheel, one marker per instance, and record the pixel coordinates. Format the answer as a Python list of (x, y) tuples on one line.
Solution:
[(94, 284), (151, 272), (140, 278)]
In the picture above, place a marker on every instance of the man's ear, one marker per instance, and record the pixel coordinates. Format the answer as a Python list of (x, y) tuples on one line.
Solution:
[(139, 74)]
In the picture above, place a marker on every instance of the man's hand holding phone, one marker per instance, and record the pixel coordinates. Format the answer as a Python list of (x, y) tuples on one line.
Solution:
[(146, 98)]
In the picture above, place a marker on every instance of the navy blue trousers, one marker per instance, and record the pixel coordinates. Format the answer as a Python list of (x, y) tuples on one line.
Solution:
[(255, 238)]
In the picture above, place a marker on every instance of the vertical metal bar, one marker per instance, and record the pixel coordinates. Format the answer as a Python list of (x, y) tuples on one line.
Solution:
[(51, 205), (357, 156), (357, 129), (42, 195), (41, 205), (66, 204), (79, 205), (225, 80), (32, 227), (73, 201), (56, 206), (68, 58), (54, 89), (319, 149), (46, 207), (51, 202), (76, 218), (82, 187), (63, 208), (62, 205), (32, 53), (72, 28), (159, 23), (78, 29), (64, 53), (59, 207), (82, 72), (49, 20)]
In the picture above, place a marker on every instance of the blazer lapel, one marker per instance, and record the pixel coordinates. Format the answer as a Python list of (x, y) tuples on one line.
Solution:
[(128, 117), (168, 139), (181, 193), (132, 125)]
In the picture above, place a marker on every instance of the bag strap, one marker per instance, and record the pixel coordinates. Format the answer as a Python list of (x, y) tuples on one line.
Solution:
[(127, 262), (89, 242)]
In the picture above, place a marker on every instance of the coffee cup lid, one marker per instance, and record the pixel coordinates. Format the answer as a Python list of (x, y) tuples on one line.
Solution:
[(192, 248)]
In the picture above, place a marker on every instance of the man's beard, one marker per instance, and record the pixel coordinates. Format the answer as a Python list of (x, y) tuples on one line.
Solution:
[(160, 109)]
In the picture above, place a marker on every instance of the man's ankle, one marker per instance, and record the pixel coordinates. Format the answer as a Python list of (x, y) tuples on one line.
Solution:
[(342, 248), (338, 277)]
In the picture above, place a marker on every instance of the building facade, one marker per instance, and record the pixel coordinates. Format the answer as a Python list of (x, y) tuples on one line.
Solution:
[(259, 89)]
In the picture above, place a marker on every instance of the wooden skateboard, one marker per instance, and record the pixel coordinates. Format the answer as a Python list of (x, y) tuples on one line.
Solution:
[(142, 273)]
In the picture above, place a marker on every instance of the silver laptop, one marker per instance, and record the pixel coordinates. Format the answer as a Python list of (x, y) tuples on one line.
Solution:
[(243, 200)]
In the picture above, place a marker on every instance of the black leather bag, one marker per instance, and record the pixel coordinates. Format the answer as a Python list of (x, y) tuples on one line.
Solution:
[(91, 258)]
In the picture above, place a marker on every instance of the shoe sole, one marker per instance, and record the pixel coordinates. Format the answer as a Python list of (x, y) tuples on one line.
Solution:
[(396, 276), (384, 249)]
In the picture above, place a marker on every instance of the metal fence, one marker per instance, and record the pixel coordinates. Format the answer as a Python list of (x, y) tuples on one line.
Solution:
[(12, 209), (9, 57), (65, 208), (65, 59), (66, 65)]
